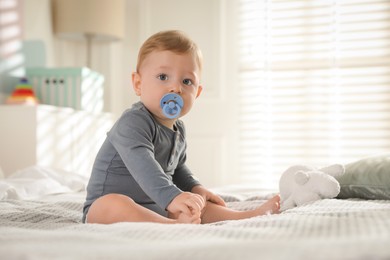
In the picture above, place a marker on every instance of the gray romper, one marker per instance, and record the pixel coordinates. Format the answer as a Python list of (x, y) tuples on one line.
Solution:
[(142, 159)]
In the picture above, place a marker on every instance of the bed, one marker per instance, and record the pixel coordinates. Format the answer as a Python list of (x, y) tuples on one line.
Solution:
[(42, 222)]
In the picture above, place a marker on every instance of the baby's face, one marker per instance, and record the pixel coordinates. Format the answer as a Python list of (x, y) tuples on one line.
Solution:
[(165, 72)]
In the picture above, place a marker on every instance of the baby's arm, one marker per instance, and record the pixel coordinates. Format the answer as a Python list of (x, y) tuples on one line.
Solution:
[(187, 203)]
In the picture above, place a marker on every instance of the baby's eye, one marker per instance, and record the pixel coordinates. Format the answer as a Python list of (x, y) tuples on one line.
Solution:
[(162, 77), (187, 82)]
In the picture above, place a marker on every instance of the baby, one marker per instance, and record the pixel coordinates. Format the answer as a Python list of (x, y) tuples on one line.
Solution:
[(140, 172)]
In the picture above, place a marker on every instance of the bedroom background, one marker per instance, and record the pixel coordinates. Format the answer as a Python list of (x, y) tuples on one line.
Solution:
[(285, 82)]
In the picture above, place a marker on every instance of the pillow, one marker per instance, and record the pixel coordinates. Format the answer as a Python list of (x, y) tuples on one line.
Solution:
[(368, 178)]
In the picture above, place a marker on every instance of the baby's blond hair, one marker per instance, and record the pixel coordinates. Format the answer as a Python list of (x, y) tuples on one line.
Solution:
[(173, 40)]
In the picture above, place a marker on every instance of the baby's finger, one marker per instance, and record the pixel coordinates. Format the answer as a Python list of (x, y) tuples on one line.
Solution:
[(218, 200), (194, 204), (185, 209), (200, 200), (195, 219), (197, 202)]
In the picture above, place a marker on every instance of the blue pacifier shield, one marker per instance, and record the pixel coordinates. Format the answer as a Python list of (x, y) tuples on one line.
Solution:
[(171, 105)]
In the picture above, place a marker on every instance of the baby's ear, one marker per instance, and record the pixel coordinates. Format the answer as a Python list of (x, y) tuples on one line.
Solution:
[(200, 88), (334, 170), (301, 177), (136, 78)]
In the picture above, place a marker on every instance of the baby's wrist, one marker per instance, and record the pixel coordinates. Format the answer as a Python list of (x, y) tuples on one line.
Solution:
[(197, 188)]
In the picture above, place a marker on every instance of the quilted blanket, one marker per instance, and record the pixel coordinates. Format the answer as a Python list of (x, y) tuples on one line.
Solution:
[(326, 229)]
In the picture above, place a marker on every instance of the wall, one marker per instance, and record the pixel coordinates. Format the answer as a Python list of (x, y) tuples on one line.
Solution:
[(210, 126), (107, 58), (11, 56)]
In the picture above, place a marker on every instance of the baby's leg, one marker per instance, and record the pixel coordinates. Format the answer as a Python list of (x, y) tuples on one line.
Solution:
[(213, 212), (114, 208)]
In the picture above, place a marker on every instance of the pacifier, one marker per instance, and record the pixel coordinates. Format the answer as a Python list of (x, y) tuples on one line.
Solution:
[(171, 105)]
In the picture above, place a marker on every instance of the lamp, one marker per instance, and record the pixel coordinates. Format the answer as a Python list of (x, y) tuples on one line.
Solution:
[(100, 20)]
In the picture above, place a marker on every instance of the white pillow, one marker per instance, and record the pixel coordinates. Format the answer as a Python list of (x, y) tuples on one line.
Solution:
[(36, 181)]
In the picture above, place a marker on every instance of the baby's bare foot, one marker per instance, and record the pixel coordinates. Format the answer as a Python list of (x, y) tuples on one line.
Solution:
[(182, 218), (185, 219), (272, 206)]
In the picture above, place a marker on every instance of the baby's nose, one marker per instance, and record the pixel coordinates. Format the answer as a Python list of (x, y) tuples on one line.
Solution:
[(175, 88)]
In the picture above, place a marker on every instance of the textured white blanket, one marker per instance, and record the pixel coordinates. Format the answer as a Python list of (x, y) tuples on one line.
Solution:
[(326, 229)]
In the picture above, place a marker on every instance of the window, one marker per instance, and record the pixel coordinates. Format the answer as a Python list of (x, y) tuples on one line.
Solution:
[(314, 83)]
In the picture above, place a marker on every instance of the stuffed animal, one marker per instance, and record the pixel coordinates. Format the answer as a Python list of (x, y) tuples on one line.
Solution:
[(301, 184)]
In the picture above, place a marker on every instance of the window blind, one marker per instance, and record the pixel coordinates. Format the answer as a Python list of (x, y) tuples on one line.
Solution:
[(314, 82)]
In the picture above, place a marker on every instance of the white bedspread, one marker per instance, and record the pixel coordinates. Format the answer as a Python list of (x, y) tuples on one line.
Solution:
[(327, 229), (36, 181)]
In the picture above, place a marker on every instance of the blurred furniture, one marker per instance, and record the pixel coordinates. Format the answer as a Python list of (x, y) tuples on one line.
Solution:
[(90, 20), (78, 88), (52, 136)]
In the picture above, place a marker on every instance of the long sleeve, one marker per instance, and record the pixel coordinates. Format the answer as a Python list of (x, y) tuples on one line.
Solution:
[(133, 137), (184, 179)]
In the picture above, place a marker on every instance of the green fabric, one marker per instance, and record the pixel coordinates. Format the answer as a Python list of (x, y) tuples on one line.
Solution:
[(368, 178)]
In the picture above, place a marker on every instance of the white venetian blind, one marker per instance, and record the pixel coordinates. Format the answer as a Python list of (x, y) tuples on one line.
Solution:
[(314, 83)]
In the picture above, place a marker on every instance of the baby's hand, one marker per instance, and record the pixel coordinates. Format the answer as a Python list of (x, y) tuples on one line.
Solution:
[(184, 218), (187, 203), (208, 195)]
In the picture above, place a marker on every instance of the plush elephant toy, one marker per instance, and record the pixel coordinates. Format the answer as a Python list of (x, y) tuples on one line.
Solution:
[(301, 184)]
